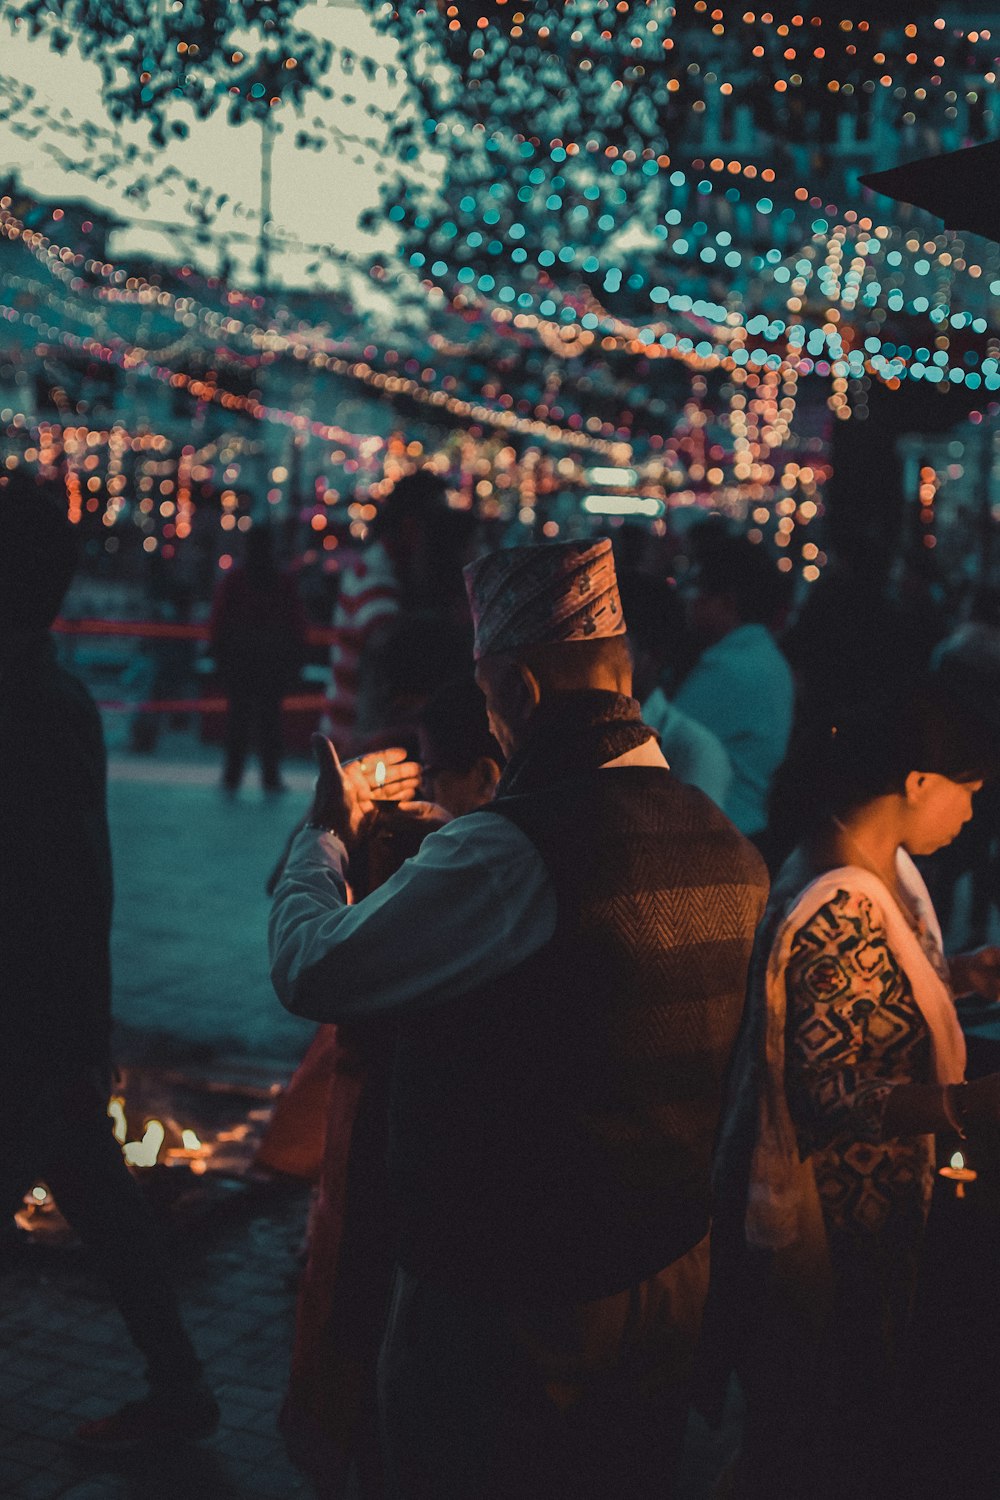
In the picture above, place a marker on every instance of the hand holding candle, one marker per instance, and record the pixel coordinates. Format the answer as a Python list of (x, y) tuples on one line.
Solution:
[(958, 1173), (388, 775)]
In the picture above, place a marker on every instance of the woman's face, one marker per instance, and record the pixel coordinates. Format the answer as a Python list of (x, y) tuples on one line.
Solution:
[(937, 809)]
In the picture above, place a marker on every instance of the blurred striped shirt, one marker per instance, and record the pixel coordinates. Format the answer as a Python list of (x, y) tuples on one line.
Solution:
[(369, 597)]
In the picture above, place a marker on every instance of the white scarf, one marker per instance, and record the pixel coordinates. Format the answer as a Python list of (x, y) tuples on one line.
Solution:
[(778, 1179)]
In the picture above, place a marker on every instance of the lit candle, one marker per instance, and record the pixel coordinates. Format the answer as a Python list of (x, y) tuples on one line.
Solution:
[(189, 1147), (958, 1173), (144, 1153)]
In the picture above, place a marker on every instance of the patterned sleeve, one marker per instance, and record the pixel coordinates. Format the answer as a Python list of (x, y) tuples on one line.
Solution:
[(852, 1023)]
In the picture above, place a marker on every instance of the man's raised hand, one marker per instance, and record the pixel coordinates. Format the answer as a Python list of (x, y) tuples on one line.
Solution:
[(342, 800)]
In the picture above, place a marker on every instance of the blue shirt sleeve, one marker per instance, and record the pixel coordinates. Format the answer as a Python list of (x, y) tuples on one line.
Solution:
[(474, 902)]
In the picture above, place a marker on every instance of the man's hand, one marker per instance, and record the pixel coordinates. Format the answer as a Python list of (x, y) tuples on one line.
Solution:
[(346, 794), (977, 973), (342, 800)]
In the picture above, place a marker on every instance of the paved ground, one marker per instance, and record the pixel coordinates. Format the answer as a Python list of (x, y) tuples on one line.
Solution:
[(65, 1358), (190, 935)]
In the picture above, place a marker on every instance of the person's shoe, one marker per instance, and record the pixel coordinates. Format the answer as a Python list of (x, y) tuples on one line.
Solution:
[(157, 1419)]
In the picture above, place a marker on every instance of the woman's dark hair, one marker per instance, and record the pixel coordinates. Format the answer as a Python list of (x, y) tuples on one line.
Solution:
[(457, 729), (868, 752)]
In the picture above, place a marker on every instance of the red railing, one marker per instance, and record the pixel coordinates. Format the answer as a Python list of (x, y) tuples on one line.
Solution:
[(316, 635)]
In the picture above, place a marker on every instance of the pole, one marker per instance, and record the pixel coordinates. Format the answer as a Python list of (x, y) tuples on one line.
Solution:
[(262, 509), (986, 506), (262, 268)]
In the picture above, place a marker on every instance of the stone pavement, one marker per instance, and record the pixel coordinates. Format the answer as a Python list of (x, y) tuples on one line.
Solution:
[(65, 1357), (191, 993), (190, 931)]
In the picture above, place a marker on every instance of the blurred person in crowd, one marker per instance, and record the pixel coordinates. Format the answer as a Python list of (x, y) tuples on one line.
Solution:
[(257, 634), (920, 591), (402, 667), (398, 571), (741, 685), (655, 617), (329, 1418), (565, 969), (55, 926), (968, 660), (850, 1059)]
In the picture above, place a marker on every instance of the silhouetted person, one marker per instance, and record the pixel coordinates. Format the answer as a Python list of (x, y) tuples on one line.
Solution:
[(411, 565), (414, 656), (257, 635), (55, 980)]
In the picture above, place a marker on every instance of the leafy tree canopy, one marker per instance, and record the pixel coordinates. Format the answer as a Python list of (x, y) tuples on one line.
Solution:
[(155, 55)]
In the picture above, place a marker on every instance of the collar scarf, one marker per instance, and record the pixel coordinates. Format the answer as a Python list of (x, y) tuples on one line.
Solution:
[(572, 733)]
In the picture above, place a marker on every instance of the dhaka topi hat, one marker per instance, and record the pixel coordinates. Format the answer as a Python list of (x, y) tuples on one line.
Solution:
[(544, 594)]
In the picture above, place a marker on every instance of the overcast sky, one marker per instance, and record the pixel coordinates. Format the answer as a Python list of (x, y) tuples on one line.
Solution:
[(316, 196)]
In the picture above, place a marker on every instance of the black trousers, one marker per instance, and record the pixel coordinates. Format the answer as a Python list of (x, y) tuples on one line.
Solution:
[(66, 1140), (481, 1398), (254, 718)]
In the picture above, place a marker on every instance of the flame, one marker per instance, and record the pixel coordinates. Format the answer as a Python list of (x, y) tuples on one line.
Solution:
[(190, 1141), (958, 1161), (144, 1153), (380, 773), (116, 1109), (39, 1194)]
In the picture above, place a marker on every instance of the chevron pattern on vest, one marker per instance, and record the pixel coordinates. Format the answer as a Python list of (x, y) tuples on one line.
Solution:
[(555, 1128)]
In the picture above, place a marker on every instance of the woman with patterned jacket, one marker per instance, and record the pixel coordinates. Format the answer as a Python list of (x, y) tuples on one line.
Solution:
[(850, 1059)]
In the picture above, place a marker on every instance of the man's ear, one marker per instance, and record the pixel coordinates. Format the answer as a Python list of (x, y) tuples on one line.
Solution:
[(915, 787), (487, 775), (530, 687)]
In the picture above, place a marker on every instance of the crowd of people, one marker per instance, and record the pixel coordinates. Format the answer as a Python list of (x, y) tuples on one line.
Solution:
[(636, 1025)]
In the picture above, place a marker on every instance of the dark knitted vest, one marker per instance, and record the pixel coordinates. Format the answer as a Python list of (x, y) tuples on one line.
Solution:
[(551, 1132)]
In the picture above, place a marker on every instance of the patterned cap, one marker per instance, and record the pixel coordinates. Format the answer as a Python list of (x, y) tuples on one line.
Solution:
[(534, 596)]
